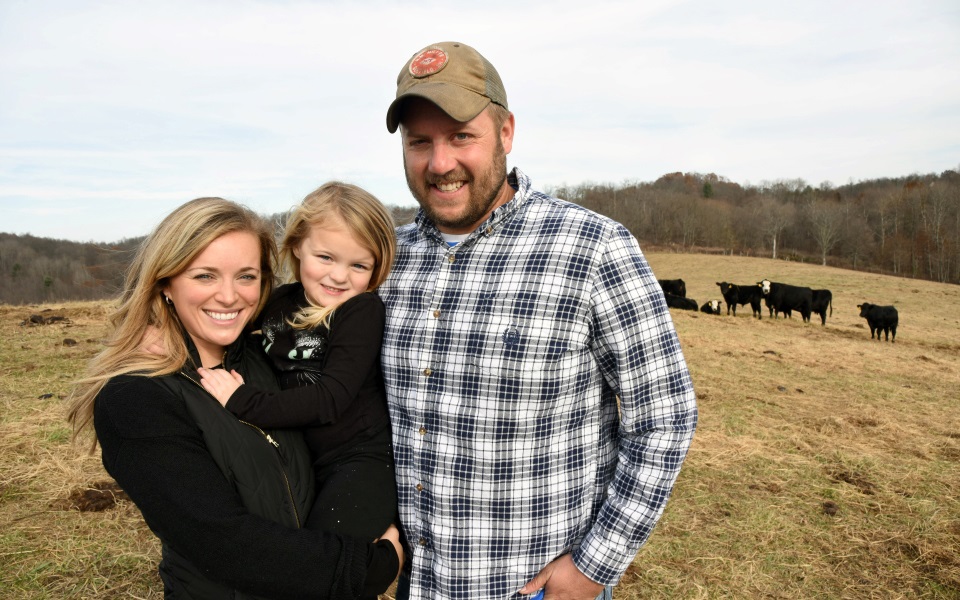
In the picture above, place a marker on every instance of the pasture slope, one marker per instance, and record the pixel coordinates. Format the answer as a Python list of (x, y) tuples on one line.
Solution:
[(826, 464)]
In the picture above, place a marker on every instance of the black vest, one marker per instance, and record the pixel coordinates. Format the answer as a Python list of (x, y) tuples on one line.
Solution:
[(271, 470)]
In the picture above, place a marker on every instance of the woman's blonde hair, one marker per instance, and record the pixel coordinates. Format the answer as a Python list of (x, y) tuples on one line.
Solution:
[(164, 254), (367, 219)]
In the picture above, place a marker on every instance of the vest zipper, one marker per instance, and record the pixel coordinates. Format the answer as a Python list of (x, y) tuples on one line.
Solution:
[(283, 470), (276, 446)]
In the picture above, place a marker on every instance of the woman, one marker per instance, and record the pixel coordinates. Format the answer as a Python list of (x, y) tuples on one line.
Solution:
[(225, 498)]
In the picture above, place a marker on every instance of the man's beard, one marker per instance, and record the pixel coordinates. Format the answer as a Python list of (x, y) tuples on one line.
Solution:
[(484, 191)]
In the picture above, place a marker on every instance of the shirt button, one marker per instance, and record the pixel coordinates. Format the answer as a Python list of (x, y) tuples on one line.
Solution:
[(423, 431), (428, 372), (489, 230), (423, 541), (419, 487), (436, 314), (452, 259)]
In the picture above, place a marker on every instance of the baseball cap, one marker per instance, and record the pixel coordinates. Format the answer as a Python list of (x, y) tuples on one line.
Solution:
[(453, 76)]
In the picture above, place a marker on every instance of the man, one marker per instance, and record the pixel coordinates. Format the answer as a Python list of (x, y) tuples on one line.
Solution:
[(514, 322)]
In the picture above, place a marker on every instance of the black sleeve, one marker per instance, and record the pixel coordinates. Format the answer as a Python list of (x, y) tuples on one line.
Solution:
[(383, 568), (353, 350), (156, 453)]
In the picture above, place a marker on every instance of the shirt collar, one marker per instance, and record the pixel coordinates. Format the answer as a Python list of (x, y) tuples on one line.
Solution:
[(521, 185), (232, 356)]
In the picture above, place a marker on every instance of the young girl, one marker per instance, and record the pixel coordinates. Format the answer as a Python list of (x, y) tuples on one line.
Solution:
[(323, 335)]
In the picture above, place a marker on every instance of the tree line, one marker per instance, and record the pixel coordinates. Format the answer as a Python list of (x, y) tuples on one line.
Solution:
[(907, 226), (35, 269)]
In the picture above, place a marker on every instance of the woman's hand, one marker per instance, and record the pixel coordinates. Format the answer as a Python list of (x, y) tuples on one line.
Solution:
[(393, 534), (219, 383)]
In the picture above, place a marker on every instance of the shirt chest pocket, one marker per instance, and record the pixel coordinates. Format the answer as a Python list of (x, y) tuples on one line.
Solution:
[(528, 338)]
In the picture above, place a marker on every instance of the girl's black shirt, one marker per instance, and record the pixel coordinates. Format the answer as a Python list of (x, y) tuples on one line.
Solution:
[(331, 379)]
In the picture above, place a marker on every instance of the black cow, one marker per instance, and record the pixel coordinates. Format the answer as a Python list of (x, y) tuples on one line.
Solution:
[(711, 307), (880, 318), (673, 286), (785, 298), (735, 294), (680, 302), (822, 299)]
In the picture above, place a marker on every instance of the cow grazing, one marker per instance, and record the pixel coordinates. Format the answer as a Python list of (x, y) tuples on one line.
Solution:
[(673, 286), (880, 318), (822, 299), (734, 294), (785, 298), (711, 307), (680, 302)]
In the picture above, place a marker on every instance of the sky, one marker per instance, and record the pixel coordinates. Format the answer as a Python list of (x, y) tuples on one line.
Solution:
[(113, 113)]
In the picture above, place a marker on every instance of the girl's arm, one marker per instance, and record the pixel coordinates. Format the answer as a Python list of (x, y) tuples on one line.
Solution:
[(353, 351)]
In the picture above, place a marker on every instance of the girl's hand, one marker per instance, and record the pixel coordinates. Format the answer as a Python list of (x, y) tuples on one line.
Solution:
[(220, 384), (393, 534)]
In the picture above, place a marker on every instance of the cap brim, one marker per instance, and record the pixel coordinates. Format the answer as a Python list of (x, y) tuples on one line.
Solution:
[(461, 104)]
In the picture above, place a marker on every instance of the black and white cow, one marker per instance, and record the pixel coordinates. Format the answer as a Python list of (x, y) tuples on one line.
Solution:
[(711, 307), (785, 298), (735, 294), (673, 286), (680, 302), (822, 299), (880, 318)]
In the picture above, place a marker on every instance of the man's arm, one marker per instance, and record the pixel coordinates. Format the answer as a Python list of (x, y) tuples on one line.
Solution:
[(637, 349)]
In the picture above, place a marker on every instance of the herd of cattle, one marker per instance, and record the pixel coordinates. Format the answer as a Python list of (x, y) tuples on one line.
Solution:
[(780, 298)]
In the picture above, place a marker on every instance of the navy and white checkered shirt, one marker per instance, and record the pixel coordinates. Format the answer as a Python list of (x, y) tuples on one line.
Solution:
[(504, 356)]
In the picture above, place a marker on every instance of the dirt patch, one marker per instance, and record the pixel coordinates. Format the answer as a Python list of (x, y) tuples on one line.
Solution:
[(37, 320), (99, 496), (772, 487), (950, 453), (931, 561), (854, 478), (863, 421)]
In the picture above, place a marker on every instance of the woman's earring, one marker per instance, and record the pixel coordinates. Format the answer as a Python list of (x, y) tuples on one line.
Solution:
[(168, 300)]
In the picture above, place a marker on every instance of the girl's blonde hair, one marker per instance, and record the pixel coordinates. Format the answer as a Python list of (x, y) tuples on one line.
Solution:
[(164, 254), (367, 219)]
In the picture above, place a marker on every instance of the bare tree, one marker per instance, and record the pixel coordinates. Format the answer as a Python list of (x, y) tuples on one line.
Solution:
[(826, 225), (688, 216), (773, 218)]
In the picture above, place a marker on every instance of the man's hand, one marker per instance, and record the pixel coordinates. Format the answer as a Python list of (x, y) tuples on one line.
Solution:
[(562, 580), (220, 384)]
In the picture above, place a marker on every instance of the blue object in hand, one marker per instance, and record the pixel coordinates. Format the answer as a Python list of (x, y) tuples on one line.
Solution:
[(538, 595)]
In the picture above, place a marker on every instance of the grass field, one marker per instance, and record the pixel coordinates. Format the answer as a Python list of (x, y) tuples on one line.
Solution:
[(825, 465)]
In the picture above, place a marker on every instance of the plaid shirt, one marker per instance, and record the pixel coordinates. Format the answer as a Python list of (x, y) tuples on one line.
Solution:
[(503, 358)]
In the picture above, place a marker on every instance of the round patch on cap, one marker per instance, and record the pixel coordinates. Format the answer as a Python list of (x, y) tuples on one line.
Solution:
[(428, 62)]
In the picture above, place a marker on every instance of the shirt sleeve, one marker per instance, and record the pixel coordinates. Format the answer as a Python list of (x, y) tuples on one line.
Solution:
[(639, 354), (353, 350), (156, 453)]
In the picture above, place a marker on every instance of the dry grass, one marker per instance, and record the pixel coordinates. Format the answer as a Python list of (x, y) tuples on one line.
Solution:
[(48, 548), (825, 465)]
